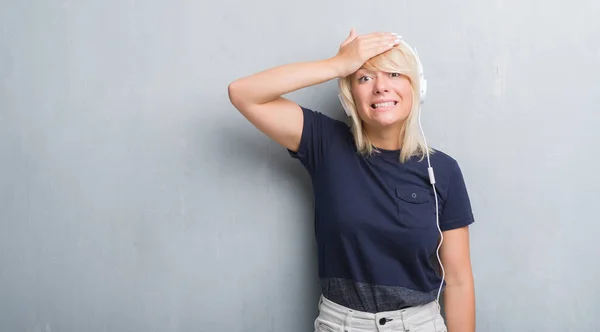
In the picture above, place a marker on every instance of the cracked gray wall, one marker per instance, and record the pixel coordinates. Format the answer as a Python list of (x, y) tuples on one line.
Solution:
[(134, 197)]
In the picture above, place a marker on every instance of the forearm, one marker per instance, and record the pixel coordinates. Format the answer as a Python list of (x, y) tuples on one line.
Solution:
[(270, 84), (459, 306)]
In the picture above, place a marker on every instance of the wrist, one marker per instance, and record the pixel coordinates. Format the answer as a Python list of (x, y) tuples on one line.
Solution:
[(336, 66)]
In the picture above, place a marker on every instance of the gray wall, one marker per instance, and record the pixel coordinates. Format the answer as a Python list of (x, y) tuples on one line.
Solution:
[(134, 197)]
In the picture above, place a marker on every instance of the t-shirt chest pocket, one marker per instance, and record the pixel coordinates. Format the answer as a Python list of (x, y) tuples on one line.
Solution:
[(416, 207)]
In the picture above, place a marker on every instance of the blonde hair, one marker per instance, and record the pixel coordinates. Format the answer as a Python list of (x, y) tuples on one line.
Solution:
[(399, 59)]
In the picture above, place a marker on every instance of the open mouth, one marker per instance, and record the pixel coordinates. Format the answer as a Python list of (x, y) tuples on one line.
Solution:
[(384, 105)]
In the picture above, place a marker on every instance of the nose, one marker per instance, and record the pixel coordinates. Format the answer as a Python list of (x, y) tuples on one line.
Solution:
[(380, 86)]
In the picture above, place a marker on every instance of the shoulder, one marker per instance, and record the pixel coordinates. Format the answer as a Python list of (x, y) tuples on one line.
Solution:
[(442, 158), (456, 205), (445, 167), (325, 127), (321, 134), (323, 119)]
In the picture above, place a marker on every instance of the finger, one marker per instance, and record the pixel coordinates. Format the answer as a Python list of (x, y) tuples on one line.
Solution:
[(350, 37), (375, 48), (376, 43), (352, 34), (382, 48), (380, 36)]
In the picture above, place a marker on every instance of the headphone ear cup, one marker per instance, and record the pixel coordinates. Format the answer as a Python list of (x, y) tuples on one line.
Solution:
[(423, 93), (422, 80)]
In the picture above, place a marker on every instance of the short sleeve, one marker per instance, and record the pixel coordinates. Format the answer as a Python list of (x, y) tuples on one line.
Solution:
[(457, 210), (318, 132)]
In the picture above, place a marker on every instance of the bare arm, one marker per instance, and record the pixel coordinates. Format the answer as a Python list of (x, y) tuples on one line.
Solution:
[(459, 295), (258, 97)]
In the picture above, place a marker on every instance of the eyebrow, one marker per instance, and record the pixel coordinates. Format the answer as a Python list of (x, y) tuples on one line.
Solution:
[(363, 71)]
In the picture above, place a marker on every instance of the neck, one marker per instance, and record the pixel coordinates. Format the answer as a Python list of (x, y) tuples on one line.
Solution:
[(385, 138)]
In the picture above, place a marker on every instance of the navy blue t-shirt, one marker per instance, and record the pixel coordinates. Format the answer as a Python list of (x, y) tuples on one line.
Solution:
[(375, 221)]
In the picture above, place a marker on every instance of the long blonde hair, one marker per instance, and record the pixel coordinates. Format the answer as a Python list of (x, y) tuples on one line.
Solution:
[(399, 59)]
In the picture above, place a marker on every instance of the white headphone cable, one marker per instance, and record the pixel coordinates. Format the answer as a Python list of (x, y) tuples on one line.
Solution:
[(437, 217)]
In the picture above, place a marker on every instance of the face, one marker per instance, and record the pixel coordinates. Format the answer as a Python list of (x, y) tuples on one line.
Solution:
[(382, 99)]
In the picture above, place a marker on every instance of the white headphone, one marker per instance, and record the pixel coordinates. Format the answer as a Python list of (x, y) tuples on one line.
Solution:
[(422, 94), (422, 80)]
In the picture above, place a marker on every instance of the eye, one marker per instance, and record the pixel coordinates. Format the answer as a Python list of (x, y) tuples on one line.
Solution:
[(395, 74), (364, 79)]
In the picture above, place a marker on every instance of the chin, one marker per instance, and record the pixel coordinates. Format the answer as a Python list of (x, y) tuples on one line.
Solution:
[(385, 119)]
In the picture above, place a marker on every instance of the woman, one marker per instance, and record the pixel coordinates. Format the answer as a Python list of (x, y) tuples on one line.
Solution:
[(379, 220)]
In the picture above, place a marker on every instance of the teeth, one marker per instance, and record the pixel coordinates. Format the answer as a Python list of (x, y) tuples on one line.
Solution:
[(389, 103)]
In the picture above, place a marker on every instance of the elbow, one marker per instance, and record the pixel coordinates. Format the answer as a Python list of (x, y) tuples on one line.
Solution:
[(233, 93), (239, 96), (463, 279)]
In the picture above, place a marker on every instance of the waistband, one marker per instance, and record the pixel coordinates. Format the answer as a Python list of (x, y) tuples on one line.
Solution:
[(340, 315)]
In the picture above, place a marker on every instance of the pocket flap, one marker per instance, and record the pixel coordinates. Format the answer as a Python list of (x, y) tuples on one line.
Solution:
[(412, 195)]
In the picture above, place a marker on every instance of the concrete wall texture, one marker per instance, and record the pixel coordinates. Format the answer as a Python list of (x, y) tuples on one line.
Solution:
[(133, 197)]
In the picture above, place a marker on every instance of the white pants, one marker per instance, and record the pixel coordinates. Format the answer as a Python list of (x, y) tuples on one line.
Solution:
[(336, 318)]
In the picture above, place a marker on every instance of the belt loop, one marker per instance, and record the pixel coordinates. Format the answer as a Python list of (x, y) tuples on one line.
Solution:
[(348, 321)]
